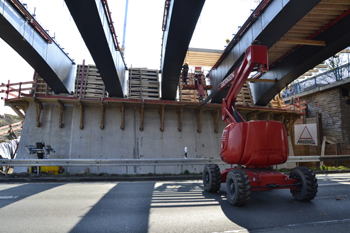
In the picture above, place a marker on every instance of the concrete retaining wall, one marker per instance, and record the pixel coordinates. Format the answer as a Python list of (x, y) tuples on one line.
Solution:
[(113, 143)]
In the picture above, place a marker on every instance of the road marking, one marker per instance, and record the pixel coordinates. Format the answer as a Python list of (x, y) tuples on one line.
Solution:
[(183, 204), (327, 222), (234, 231), (331, 184), (299, 225), (8, 197)]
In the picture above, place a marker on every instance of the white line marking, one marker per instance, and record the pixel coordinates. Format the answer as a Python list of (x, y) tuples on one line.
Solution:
[(330, 184), (8, 197)]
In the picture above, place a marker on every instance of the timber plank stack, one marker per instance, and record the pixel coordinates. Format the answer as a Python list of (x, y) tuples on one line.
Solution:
[(244, 97), (143, 84), (41, 86), (277, 102), (92, 85), (190, 95)]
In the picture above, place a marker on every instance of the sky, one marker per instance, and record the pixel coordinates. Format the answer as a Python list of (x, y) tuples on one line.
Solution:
[(219, 20)]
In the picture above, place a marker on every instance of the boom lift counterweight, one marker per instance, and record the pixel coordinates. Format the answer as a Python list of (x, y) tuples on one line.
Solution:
[(254, 146)]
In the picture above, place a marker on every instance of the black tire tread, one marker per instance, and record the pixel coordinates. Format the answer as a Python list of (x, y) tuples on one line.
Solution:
[(308, 179), (242, 189), (215, 176)]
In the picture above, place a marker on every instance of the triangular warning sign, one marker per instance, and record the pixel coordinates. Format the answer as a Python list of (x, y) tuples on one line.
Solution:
[(305, 134)]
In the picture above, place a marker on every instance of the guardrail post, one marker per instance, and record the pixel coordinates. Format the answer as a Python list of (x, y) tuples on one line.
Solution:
[(19, 90), (82, 80), (8, 90), (315, 82)]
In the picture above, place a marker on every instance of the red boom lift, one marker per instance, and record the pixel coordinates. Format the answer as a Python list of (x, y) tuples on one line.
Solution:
[(196, 81), (254, 146)]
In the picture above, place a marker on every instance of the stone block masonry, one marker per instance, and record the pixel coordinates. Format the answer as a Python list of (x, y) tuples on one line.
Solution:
[(335, 113)]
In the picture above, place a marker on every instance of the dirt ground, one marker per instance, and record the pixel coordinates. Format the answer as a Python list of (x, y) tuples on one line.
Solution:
[(9, 119)]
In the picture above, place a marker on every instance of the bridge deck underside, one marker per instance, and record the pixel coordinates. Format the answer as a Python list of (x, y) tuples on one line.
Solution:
[(97, 37), (183, 17), (56, 68), (301, 49), (294, 39)]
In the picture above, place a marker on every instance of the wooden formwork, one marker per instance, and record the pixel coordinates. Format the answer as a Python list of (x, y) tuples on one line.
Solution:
[(92, 85), (190, 95), (244, 97), (143, 83), (41, 86), (277, 102)]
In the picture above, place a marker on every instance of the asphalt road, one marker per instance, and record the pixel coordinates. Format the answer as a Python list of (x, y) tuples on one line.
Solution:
[(176, 206)]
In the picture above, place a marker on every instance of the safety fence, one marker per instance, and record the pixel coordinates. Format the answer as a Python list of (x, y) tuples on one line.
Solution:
[(11, 128), (147, 162), (335, 75), (17, 90)]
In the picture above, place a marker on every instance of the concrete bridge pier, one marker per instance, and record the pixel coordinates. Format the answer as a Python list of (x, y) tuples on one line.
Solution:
[(70, 142)]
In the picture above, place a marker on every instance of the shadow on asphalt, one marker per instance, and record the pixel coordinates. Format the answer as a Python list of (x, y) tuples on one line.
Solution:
[(276, 208), (12, 195), (125, 208)]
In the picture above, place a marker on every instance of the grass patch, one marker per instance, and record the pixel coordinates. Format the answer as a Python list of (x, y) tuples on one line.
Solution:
[(334, 168)]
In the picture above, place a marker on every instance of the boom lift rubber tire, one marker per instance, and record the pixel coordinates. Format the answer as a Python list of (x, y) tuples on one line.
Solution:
[(238, 187), (308, 183), (211, 178)]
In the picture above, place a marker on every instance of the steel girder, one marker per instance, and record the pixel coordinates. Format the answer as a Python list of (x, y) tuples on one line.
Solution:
[(94, 27), (275, 20), (44, 55), (182, 19), (337, 38)]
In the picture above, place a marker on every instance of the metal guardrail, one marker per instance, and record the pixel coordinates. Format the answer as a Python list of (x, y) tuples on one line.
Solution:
[(107, 162), (148, 162), (335, 75)]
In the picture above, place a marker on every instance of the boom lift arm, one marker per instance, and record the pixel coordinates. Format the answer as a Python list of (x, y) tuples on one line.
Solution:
[(255, 55)]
